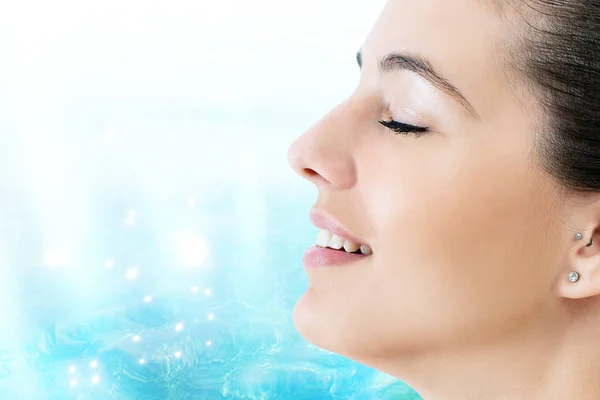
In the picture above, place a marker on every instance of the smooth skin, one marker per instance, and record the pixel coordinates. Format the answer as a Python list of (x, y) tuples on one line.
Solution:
[(466, 295)]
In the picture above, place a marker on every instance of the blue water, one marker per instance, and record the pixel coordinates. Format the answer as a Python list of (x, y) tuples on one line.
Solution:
[(222, 330), (174, 286), (151, 230)]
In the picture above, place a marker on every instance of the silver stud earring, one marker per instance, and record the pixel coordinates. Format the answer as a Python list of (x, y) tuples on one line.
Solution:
[(573, 277), (578, 236)]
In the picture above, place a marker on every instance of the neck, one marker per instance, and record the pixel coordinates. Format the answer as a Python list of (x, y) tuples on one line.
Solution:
[(553, 359)]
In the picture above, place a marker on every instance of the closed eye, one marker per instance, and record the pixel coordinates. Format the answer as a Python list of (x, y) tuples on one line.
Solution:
[(404, 129)]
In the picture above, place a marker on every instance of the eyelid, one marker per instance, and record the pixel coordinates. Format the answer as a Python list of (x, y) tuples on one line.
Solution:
[(405, 114), (408, 118)]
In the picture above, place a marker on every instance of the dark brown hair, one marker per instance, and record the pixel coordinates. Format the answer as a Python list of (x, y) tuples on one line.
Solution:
[(557, 52)]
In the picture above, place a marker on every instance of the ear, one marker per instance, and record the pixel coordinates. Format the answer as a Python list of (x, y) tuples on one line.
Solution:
[(585, 261), (583, 255)]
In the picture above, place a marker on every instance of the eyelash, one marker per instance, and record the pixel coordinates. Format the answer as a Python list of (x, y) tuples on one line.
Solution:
[(404, 129)]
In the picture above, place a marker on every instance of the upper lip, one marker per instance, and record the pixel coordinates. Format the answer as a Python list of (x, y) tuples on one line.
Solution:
[(321, 220)]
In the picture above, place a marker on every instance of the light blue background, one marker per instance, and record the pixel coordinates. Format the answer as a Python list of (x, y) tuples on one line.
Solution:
[(151, 230)]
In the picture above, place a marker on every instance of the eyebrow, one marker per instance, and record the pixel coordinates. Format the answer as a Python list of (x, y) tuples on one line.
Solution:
[(421, 66)]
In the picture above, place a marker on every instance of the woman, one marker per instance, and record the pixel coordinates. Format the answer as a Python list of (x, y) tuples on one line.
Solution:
[(460, 185)]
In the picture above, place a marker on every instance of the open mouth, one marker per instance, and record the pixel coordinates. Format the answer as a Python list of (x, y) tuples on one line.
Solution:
[(327, 239)]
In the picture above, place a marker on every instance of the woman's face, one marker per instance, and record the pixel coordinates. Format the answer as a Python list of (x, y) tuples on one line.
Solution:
[(461, 219)]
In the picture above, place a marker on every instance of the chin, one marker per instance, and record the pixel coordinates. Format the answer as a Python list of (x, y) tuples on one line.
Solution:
[(333, 331), (313, 325), (355, 334), (306, 322)]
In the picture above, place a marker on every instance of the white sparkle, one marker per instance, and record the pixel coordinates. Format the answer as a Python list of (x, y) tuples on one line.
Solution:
[(192, 250), (132, 273), (130, 220), (55, 258)]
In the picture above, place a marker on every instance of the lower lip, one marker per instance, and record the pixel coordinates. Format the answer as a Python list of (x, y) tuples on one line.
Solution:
[(319, 257)]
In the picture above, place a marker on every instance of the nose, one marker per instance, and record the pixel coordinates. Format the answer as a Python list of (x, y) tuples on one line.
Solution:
[(324, 154)]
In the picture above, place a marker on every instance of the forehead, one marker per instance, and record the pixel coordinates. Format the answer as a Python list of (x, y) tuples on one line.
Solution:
[(463, 39)]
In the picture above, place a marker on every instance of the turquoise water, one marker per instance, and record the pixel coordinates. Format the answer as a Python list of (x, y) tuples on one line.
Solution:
[(92, 330), (151, 230), (151, 270)]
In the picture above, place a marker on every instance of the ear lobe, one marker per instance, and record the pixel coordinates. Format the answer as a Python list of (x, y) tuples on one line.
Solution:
[(586, 263)]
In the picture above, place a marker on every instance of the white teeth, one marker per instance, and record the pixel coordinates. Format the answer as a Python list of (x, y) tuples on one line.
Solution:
[(336, 242), (366, 250), (326, 238), (351, 247), (323, 238)]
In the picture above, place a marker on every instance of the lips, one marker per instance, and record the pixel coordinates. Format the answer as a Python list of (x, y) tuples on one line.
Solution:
[(323, 221)]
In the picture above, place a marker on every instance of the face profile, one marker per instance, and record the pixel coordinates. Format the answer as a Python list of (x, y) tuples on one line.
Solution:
[(448, 207)]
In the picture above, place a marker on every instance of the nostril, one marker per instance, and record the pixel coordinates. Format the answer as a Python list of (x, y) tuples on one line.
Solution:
[(310, 173), (313, 176)]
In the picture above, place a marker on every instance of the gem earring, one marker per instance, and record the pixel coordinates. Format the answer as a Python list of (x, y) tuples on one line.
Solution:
[(579, 236), (573, 277)]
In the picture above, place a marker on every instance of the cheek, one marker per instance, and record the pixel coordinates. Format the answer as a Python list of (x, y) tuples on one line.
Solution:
[(455, 248)]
